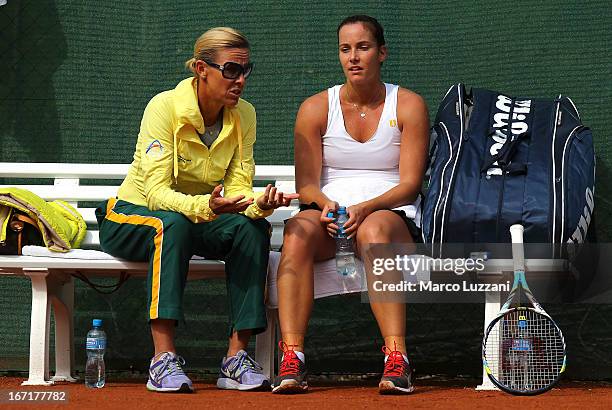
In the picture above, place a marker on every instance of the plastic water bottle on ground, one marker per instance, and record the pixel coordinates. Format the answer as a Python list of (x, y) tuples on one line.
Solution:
[(345, 254), (95, 372)]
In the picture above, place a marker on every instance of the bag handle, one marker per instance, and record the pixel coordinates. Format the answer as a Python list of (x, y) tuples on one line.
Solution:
[(508, 149), (17, 223), (103, 289), (504, 156), (18, 219)]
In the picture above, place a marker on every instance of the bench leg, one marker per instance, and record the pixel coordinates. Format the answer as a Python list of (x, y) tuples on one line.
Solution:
[(39, 329), (63, 305), (265, 345), (492, 306)]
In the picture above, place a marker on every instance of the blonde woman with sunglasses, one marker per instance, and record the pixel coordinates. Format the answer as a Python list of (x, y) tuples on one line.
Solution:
[(195, 141)]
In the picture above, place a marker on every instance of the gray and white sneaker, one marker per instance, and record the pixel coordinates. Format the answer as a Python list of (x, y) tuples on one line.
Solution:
[(166, 374), (241, 372)]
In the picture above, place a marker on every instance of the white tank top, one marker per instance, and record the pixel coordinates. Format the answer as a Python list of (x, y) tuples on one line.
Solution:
[(354, 171)]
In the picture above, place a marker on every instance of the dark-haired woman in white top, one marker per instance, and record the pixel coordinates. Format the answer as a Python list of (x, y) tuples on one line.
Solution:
[(367, 140)]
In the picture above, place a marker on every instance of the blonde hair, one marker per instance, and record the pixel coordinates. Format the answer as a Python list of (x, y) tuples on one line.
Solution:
[(213, 40)]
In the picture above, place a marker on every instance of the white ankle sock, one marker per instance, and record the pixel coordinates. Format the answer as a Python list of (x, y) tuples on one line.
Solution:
[(299, 354), (405, 358)]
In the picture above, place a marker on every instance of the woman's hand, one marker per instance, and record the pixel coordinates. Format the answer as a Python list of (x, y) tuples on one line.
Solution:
[(357, 213), (330, 206), (221, 205), (272, 199)]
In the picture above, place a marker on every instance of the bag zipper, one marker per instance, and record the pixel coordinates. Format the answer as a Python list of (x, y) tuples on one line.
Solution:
[(450, 181), (567, 145), (500, 201), (443, 127)]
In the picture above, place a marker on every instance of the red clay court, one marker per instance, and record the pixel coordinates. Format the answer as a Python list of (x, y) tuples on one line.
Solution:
[(438, 395)]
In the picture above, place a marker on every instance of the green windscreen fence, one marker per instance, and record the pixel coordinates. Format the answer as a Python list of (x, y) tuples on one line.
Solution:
[(75, 77)]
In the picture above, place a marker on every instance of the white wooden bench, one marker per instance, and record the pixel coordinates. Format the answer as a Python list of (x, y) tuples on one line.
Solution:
[(52, 280), (53, 283)]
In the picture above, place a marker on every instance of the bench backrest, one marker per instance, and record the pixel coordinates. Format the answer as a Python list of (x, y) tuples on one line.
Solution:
[(85, 185)]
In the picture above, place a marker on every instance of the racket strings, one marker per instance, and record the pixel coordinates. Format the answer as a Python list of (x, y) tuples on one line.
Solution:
[(525, 351)]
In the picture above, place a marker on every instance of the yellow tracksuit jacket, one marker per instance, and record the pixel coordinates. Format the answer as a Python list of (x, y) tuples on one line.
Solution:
[(173, 170)]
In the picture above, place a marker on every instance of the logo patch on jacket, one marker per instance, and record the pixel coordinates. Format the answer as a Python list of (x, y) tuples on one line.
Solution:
[(183, 159), (155, 149)]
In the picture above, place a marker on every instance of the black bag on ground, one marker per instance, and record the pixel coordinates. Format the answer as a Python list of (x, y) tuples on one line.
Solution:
[(498, 160)]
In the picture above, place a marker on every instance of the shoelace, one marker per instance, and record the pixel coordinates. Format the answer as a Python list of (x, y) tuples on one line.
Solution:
[(290, 363), (173, 364), (395, 365), (245, 362)]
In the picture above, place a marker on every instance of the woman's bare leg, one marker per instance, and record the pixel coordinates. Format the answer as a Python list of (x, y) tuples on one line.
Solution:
[(304, 242), (385, 227), (162, 331)]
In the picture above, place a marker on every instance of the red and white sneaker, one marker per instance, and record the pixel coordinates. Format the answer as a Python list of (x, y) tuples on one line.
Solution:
[(397, 376), (291, 373)]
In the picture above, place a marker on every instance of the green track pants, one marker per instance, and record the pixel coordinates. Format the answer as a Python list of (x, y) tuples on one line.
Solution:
[(168, 240)]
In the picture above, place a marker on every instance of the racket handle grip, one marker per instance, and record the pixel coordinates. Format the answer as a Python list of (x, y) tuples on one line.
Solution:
[(516, 232), (518, 256)]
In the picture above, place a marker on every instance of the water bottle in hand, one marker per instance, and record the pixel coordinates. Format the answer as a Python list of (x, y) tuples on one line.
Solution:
[(345, 255), (96, 345)]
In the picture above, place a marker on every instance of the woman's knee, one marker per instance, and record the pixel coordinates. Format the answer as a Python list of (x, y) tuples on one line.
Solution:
[(176, 228), (374, 230), (384, 227), (301, 232), (175, 221), (251, 232)]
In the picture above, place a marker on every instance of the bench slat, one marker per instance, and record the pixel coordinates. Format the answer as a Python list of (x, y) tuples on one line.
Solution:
[(72, 193), (53, 170), (14, 265), (113, 171)]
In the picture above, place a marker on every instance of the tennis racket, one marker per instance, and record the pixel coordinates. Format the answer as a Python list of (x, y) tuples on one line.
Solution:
[(523, 350)]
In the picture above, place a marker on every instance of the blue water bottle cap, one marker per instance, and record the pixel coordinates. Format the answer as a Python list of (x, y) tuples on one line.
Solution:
[(342, 210), (330, 214), (97, 322)]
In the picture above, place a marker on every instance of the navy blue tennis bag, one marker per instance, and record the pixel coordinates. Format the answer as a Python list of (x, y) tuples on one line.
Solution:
[(498, 160)]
